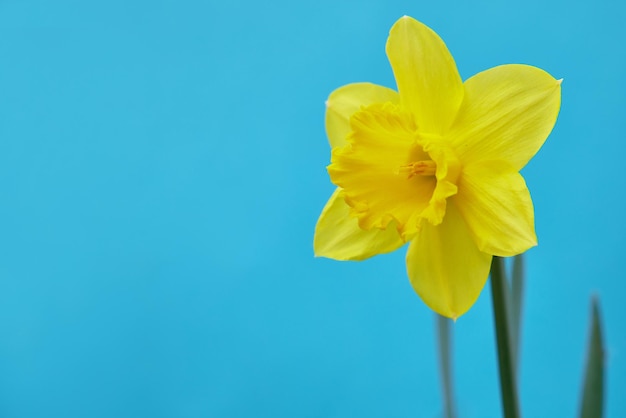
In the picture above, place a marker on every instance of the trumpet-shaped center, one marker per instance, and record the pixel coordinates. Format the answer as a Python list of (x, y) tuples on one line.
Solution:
[(390, 171)]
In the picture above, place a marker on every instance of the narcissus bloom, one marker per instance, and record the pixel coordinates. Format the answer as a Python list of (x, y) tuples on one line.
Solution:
[(435, 164)]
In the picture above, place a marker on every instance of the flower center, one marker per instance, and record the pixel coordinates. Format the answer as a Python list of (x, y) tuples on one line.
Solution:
[(390, 171), (422, 168)]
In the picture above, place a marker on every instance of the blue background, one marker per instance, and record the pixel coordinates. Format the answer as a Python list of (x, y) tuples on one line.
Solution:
[(161, 173)]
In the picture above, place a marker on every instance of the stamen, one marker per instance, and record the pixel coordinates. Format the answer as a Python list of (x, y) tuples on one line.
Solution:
[(422, 168)]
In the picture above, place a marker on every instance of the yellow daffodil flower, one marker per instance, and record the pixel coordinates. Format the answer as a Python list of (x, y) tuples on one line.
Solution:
[(435, 164)]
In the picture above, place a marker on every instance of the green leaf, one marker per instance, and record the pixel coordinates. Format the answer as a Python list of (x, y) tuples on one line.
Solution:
[(500, 295), (593, 385), (444, 333)]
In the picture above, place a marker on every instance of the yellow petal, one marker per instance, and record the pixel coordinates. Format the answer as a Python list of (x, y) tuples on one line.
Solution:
[(346, 100), (338, 236), (445, 267), (496, 205), (428, 80), (507, 114)]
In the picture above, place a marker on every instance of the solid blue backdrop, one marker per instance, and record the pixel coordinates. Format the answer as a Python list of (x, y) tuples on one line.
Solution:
[(162, 167)]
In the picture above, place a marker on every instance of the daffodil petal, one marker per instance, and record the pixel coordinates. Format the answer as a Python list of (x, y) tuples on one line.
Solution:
[(445, 267), (338, 236), (507, 114), (346, 100), (496, 205), (428, 80)]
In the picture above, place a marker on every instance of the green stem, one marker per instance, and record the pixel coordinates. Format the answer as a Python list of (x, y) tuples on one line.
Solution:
[(445, 363), (508, 385), (515, 307)]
